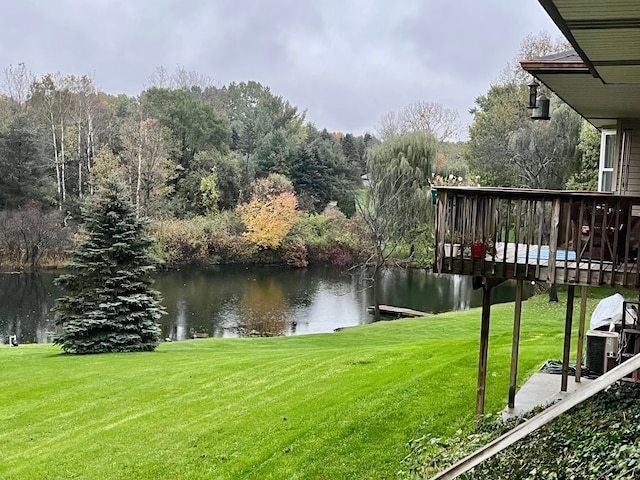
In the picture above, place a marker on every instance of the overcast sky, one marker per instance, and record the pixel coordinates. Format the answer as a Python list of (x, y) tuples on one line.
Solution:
[(347, 62)]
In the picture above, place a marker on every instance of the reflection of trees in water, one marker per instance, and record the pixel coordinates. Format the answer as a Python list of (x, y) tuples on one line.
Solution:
[(265, 308), (227, 301), (27, 299), (179, 329), (422, 290)]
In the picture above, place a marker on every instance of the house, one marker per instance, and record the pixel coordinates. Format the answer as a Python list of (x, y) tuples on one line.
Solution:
[(579, 239)]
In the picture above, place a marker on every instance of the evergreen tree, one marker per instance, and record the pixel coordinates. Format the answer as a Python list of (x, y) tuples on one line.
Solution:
[(109, 305)]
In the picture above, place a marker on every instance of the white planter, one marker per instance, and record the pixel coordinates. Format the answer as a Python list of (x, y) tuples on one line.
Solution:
[(451, 249)]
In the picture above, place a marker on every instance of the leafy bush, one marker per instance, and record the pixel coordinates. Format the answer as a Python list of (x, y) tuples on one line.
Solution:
[(294, 252), (227, 243), (332, 238), (181, 241)]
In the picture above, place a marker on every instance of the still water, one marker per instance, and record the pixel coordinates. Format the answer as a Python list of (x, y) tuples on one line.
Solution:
[(233, 301)]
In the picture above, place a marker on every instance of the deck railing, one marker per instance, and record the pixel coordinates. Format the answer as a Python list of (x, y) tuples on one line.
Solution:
[(581, 238)]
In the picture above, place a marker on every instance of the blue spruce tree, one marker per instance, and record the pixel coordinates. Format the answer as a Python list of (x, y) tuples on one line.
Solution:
[(109, 305)]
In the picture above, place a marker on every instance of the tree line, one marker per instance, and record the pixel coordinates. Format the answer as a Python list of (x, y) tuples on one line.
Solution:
[(236, 173), (59, 136), (184, 147)]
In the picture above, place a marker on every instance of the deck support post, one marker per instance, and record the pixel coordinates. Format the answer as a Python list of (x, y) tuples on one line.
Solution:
[(515, 344), (571, 290), (489, 283), (583, 314)]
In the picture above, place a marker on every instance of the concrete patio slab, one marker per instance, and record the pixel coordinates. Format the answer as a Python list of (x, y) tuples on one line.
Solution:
[(540, 390)]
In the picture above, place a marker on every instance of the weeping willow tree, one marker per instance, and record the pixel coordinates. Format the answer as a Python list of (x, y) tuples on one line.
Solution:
[(397, 205)]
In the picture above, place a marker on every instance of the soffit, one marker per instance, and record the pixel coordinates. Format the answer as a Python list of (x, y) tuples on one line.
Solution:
[(599, 103), (602, 82), (605, 33)]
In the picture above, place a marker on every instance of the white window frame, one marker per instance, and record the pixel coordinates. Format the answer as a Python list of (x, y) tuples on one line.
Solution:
[(602, 169)]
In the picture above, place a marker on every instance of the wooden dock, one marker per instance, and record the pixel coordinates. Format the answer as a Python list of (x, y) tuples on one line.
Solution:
[(397, 312)]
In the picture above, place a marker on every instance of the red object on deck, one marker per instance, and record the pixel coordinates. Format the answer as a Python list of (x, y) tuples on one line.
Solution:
[(478, 250)]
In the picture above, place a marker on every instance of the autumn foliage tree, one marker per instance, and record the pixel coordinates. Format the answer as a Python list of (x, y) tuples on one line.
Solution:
[(271, 213)]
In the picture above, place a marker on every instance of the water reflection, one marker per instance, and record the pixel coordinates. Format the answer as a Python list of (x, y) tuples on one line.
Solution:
[(26, 300), (234, 301)]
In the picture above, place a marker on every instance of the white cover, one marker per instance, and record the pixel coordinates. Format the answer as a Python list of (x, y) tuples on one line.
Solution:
[(609, 312)]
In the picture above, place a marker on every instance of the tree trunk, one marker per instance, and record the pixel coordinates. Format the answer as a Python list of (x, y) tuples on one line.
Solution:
[(62, 162), (90, 150), (79, 160), (139, 180), (553, 293), (376, 292), (56, 161)]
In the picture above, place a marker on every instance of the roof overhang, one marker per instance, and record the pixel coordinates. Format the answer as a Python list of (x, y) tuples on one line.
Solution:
[(601, 79)]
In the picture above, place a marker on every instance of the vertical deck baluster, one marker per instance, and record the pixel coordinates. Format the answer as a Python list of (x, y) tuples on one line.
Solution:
[(498, 235), (528, 233), (507, 225), (493, 226), (566, 239), (614, 247), (474, 226), (554, 232), (441, 229), (603, 241), (516, 231), (542, 203), (592, 233), (451, 205), (578, 248), (465, 218)]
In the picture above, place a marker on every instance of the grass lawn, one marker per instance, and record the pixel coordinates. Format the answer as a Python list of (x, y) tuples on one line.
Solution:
[(331, 406)]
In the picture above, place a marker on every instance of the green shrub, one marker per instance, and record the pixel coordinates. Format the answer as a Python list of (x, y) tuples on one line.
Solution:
[(332, 238), (181, 241)]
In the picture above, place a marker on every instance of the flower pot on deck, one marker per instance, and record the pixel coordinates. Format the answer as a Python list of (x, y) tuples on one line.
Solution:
[(452, 250)]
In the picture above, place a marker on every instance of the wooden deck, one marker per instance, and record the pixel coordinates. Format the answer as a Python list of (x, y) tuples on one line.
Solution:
[(531, 262), (579, 238)]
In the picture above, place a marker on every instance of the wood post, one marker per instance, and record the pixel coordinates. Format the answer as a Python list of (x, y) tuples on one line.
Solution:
[(515, 345), (583, 314), (571, 290), (484, 346)]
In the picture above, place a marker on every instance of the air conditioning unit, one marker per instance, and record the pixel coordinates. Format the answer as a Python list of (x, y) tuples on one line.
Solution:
[(602, 350)]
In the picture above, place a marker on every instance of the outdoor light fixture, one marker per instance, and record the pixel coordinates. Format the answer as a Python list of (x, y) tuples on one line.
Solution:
[(533, 93), (541, 110), (538, 104)]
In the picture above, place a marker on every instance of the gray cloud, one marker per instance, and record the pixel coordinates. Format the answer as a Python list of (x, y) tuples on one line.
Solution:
[(346, 62)]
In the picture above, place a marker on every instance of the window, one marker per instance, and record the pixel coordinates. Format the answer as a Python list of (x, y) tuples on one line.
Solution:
[(607, 160)]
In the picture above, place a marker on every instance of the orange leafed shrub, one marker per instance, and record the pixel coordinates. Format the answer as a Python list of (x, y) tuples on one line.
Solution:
[(269, 220)]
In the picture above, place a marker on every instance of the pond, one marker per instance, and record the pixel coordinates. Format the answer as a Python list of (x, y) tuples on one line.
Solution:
[(237, 301)]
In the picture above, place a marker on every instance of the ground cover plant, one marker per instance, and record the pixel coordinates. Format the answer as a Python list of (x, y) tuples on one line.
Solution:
[(598, 439), (341, 405)]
